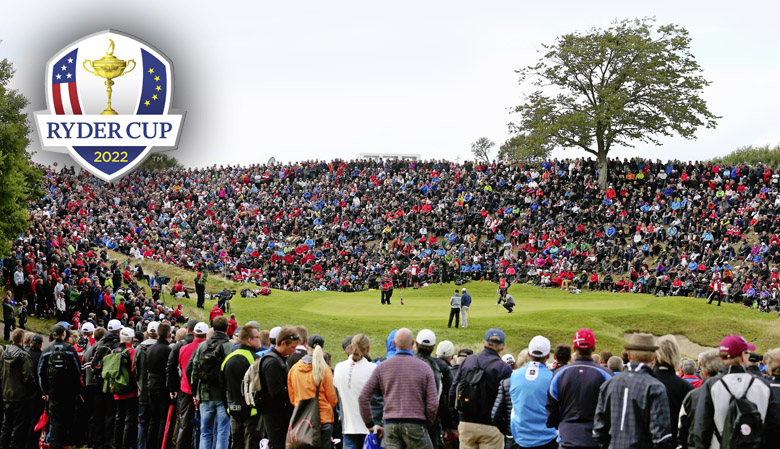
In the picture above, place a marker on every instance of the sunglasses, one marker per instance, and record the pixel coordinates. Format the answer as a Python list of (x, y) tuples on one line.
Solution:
[(290, 338)]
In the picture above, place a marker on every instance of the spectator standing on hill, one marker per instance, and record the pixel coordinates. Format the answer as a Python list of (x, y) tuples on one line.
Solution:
[(574, 392), (465, 303), (476, 427), (19, 391), (203, 372), (733, 380), (710, 364), (349, 377), (200, 288), (411, 401), (8, 318), (520, 404), (633, 410), (277, 409), (59, 375), (243, 418), (667, 365), (454, 309)]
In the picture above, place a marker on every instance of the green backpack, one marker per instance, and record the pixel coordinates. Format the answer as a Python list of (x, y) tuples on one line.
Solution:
[(116, 372)]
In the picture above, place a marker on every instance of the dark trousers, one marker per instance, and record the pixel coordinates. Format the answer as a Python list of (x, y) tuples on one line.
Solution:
[(275, 427), (37, 410), (101, 420), (61, 412), (201, 296), (186, 415), (243, 432), (126, 424), (386, 295), (8, 326), (454, 312), (712, 298), (158, 415), (16, 425), (551, 445)]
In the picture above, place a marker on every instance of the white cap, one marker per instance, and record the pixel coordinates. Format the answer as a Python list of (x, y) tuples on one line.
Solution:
[(445, 349), (114, 325), (463, 289), (127, 333), (152, 327), (274, 332), (426, 337), (201, 329), (88, 327), (507, 358), (539, 346)]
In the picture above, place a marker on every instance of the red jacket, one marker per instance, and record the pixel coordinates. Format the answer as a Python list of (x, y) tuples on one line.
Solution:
[(232, 326), (185, 354), (215, 312)]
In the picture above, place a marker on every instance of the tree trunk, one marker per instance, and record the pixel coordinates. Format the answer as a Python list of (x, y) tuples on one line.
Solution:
[(603, 171)]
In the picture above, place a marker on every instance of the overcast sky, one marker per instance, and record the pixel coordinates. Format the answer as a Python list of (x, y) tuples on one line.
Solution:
[(323, 79)]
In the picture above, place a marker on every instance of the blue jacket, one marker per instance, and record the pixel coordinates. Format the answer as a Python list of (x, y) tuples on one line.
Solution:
[(528, 387), (572, 400), (465, 300)]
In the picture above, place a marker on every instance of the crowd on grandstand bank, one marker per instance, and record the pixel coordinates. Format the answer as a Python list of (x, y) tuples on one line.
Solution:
[(198, 386), (693, 229)]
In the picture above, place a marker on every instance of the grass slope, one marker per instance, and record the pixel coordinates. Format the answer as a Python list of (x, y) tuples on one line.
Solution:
[(549, 312)]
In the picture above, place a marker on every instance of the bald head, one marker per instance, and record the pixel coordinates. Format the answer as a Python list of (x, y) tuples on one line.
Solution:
[(404, 339)]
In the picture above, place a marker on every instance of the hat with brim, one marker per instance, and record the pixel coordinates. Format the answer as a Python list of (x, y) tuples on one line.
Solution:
[(641, 342)]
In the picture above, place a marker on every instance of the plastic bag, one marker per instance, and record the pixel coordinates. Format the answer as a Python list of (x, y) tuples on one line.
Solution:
[(371, 442)]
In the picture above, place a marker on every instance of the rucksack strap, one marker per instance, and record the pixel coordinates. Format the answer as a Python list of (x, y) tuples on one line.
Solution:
[(752, 378)]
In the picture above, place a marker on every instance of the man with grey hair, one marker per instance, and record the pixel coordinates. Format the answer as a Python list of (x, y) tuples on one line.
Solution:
[(688, 368), (709, 365), (615, 364)]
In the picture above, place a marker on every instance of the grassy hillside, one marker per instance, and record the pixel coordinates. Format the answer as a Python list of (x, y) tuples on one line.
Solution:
[(550, 312)]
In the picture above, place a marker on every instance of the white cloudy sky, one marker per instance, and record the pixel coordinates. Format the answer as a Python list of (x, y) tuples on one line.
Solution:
[(322, 79)]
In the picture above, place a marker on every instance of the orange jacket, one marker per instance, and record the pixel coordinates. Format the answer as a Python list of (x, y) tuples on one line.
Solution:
[(300, 386)]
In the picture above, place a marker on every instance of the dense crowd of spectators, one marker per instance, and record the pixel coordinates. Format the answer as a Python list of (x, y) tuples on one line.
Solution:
[(665, 228)]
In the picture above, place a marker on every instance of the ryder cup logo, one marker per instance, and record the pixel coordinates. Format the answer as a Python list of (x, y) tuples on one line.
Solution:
[(109, 97)]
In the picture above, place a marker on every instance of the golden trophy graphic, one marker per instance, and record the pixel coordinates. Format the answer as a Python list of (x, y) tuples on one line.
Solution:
[(109, 67)]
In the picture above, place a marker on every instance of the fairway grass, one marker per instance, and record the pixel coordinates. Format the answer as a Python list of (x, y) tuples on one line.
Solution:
[(550, 312)]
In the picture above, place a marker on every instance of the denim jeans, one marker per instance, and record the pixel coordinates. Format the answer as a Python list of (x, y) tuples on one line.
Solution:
[(143, 425), (354, 440), (406, 436), (214, 416)]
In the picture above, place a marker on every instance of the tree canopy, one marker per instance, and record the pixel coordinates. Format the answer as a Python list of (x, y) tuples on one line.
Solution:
[(614, 87), (481, 149), (19, 179)]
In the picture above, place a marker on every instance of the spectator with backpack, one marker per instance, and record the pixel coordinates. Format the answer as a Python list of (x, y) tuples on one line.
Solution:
[(411, 400), (187, 431), (274, 398), (426, 341), (19, 391), (243, 418), (574, 392), (59, 376), (349, 378), (204, 374), (102, 408), (474, 392), (160, 396), (118, 379), (736, 409)]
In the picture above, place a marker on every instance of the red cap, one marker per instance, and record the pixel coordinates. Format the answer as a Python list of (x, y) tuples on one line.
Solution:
[(584, 339), (733, 346)]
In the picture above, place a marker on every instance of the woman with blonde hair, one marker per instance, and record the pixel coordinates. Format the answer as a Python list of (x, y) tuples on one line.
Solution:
[(349, 378), (772, 360), (667, 363), (302, 381)]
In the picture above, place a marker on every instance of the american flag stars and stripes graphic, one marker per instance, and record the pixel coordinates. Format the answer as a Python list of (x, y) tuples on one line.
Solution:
[(64, 90)]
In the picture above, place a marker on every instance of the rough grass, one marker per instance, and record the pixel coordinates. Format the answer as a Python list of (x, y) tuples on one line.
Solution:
[(550, 312)]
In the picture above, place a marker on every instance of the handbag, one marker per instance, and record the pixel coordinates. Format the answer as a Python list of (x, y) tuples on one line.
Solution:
[(371, 442), (304, 429)]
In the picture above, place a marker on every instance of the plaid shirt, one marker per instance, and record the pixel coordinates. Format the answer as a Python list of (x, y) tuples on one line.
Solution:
[(633, 411)]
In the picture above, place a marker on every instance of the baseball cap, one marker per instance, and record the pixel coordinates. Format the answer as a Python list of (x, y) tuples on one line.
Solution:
[(584, 339), (316, 340), (64, 324), (37, 338), (463, 289), (495, 336), (733, 346), (114, 325), (128, 333), (201, 329), (445, 349), (507, 358), (426, 337), (539, 346), (346, 342), (152, 327), (274, 332), (88, 327)]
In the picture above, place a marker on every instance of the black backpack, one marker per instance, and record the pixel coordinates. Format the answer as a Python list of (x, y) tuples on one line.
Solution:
[(60, 367), (471, 391), (100, 352), (742, 427), (211, 362)]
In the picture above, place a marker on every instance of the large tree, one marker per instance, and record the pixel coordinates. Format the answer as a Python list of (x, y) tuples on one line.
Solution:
[(18, 178), (614, 87)]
